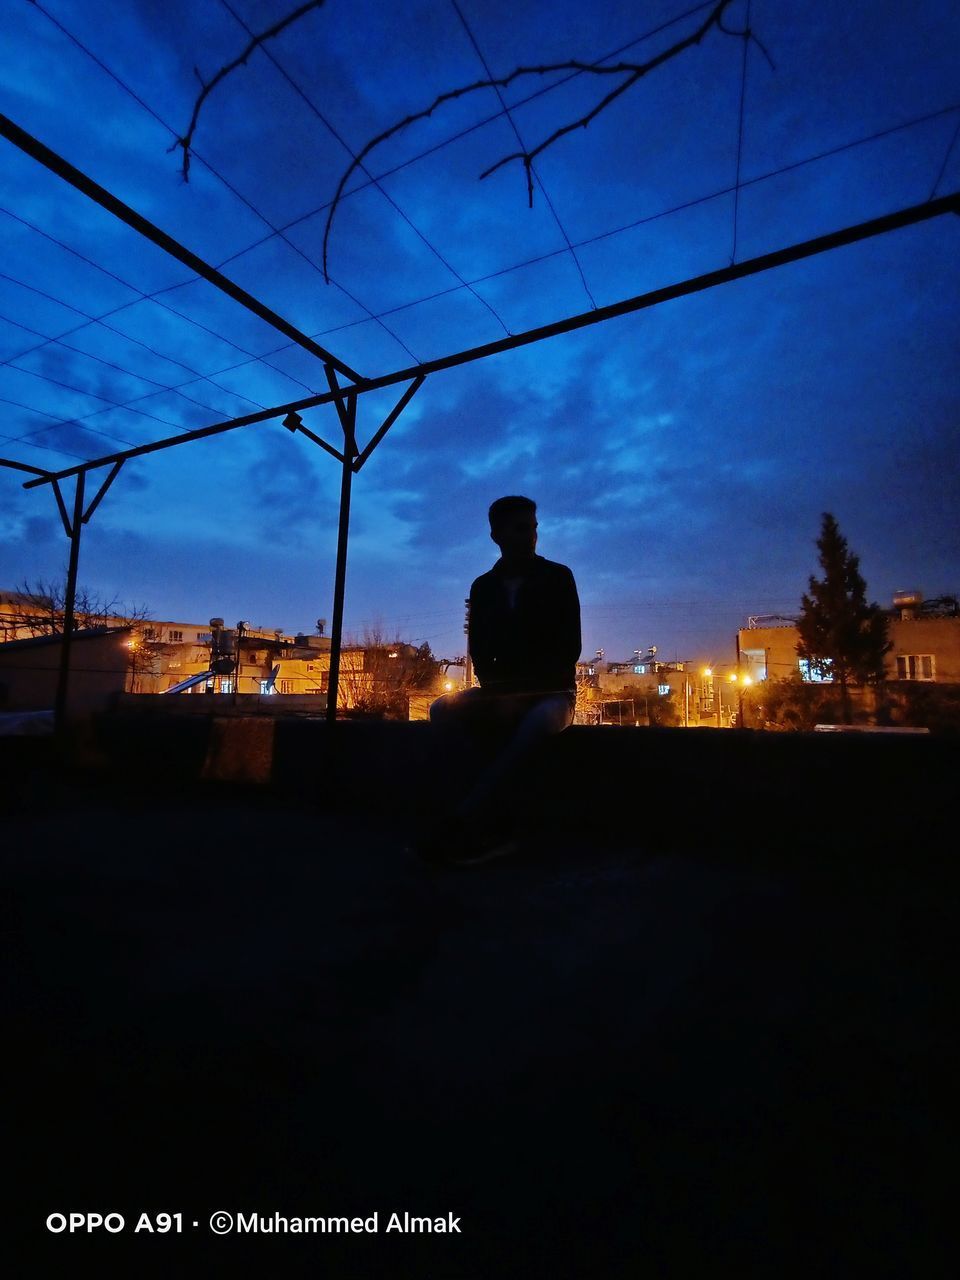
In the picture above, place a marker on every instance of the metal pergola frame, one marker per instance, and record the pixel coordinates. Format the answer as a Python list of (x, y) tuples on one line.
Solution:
[(345, 396)]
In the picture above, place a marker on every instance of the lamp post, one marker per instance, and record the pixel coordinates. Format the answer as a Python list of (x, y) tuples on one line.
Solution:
[(716, 687), (742, 682)]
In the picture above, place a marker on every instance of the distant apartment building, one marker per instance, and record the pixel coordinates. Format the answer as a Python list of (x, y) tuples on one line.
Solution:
[(645, 690), (190, 657), (924, 636)]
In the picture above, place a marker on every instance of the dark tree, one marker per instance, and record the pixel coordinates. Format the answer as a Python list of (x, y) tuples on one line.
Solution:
[(841, 635)]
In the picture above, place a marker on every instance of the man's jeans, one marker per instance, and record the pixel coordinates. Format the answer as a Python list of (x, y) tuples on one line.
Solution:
[(516, 723)]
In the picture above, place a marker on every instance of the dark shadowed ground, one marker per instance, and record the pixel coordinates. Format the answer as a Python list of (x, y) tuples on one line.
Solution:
[(608, 1058)]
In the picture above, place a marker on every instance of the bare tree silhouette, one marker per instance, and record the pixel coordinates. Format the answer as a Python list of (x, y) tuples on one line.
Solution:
[(629, 72), (207, 86)]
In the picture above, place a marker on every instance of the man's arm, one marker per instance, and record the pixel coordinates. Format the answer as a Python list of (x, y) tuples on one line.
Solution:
[(569, 639)]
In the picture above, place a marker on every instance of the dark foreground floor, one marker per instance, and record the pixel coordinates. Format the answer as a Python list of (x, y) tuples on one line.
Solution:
[(607, 1062)]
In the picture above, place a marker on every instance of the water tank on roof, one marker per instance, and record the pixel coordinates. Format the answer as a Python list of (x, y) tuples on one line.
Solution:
[(908, 599)]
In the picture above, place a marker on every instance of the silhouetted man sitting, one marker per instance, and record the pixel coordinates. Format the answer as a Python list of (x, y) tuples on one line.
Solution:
[(524, 642)]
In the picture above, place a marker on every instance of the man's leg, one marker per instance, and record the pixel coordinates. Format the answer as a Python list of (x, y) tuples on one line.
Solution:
[(535, 721)]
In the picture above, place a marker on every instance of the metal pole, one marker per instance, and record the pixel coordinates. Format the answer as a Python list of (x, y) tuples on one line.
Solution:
[(348, 419), (70, 598)]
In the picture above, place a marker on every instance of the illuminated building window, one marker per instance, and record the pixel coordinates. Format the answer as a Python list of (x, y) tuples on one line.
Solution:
[(755, 661), (815, 673), (663, 689), (915, 666), (640, 670)]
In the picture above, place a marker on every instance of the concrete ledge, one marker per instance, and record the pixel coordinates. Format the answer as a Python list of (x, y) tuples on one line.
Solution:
[(747, 790)]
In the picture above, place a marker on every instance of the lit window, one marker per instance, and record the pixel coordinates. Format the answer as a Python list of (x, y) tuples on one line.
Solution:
[(816, 673), (226, 686), (915, 666), (640, 670), (755, 661), (663, 689)]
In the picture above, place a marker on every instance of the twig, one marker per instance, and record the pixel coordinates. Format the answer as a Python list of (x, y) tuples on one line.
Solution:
[(632, 71), (209, 85)]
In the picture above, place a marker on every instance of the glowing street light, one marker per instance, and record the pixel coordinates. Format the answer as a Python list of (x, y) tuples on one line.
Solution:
[(742, 682)]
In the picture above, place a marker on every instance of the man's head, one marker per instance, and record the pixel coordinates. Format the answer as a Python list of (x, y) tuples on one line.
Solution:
[(513, 526)]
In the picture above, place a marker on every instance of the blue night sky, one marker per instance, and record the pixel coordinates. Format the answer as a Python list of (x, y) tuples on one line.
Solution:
[(681, 457)]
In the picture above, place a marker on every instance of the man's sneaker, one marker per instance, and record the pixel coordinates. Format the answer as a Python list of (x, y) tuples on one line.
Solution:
[(480, 844), (434, 845), (474, 856)]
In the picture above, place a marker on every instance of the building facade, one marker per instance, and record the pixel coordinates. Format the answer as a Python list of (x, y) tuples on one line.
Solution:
[(924, 637)]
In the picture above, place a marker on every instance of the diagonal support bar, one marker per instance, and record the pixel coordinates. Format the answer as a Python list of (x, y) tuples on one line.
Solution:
[(390, 419), (294, 423), (115, 471), (64, 169), (348, 417), (61, 506)]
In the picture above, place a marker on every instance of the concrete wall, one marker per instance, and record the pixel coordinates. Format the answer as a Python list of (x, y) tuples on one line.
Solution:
[(29, 671)]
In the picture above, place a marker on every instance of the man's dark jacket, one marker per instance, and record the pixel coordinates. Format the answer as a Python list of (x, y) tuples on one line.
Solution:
[(534, 646)]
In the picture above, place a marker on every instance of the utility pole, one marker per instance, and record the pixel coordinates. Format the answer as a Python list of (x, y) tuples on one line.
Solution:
[(468, 665)]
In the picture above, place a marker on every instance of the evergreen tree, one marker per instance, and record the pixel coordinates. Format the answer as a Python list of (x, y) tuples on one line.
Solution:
[(841, 635)]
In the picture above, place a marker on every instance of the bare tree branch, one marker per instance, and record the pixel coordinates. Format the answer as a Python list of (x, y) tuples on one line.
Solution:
[(241, 60), (631, 71)]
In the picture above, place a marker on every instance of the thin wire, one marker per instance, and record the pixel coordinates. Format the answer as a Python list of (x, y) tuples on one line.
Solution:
[(48, 448), (352, 154), (764, 177), (397, 168), (516, 132), (422, 155), (743, 95), (143, 297), (114, 404), (275, 231), (480, 124), (677, 208), (125, 306), (653, 217), (946, 158), (18, 404), (22, 284)]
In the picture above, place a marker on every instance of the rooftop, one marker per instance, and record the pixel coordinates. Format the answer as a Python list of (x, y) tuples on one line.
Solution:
[(680, 1034)]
